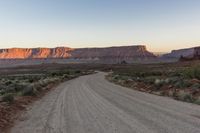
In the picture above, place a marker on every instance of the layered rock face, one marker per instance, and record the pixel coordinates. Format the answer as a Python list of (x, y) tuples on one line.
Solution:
[(115, 54), (26, 53), (188, 52), (112, 52)]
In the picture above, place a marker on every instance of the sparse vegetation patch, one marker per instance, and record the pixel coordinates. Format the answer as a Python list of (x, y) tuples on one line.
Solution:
[(32, 84), (182, 82)]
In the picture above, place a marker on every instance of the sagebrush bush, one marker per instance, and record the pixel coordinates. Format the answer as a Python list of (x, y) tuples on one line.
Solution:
[(197, 101), (8, 82), (116, 77), (19, 86), (182, 84), (150, 80), (159, 83), (173, 80), (77, 71), (29, 91), (37, 86), (184, 96), (8, 98), (191, 73), (66, 76), (196, 86)]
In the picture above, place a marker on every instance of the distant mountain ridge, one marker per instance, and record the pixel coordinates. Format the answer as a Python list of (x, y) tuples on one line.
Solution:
[(126, 53), (187, 52)]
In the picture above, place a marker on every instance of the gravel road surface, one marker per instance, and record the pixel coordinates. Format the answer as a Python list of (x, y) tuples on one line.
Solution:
[(91, 104)]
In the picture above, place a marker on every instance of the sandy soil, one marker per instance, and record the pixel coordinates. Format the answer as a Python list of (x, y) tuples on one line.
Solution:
[(91, 104)]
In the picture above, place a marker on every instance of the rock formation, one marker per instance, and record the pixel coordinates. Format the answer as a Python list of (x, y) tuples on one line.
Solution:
[(184, 53), (113, 54)]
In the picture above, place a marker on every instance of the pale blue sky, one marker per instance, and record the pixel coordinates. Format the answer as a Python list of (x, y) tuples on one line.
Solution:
[(162, 25)]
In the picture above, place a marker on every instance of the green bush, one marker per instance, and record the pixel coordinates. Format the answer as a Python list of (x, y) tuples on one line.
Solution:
[(196, 86), (159, 83), (8, 98), (150, 80), (19, 86), (66, 76), (77, 71), (116, 77), (37, 86), (9, 89), (184, 96), (191, 73), (173, 80), (182, 84), (197, 101), (32, 79), (8, 83), (29, 91)]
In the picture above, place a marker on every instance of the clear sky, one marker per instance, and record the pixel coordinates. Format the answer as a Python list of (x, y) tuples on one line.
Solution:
[(161, 25)]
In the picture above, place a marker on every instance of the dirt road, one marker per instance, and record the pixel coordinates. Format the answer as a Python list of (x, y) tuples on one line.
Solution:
[(91, 104)]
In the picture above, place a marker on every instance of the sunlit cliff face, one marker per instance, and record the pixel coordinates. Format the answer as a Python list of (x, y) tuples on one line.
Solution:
[(65, 52), (24, 53)]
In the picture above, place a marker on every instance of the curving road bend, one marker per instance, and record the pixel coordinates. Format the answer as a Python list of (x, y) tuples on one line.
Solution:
[(91, 104)]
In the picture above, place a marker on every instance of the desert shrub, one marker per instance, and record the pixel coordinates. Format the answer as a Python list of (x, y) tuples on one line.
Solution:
[(8, 98), (32, 79), (184, 96), (116, 77), (55, 80), (43, 83), (150, 80), (196, 86), (174, 74), (46, 81), (37, 86), (19, 86), (29, 91), (67, 72), (172, 93), (155, 73), (8, 82), (2, 88), (59, 73), (66, 76), (10, 89), (159, 83), (53, 74), (144, 73), (173, 80), (124, 77), (167, 81), (197, 101), (77, 71), (193, 72), (2, 92), (164, 93), (182, 84)]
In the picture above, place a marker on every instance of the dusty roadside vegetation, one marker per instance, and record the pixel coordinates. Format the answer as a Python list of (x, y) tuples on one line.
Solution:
[(20, 86), (180, 81)]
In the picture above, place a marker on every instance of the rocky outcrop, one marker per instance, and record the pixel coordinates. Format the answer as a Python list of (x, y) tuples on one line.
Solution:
[(188, 53), (115, 54)]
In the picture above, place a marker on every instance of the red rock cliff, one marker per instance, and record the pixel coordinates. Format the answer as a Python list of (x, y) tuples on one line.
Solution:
[(123, 52)]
